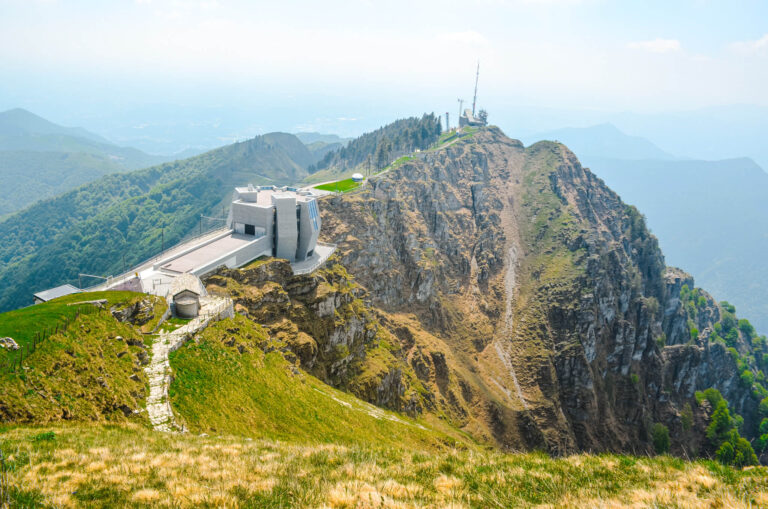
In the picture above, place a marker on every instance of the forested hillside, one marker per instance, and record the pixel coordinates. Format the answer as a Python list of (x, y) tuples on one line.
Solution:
[(91, 229), (379, 147), (40, 159)]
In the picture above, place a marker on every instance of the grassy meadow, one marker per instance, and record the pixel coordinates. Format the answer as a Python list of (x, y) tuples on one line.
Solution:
[(129, 466)]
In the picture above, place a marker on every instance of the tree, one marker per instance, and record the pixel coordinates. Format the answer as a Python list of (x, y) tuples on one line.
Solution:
[(482, 115), (660, 436)]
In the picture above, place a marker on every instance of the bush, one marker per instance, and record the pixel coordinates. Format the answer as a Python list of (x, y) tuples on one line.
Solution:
[(761, 443), (746, 328), (728, 321), (763, 409), (694, 333), (686, 417), (660, 434), (764, 425), (48, 436), (747, 378), (712, 395), (725, 453)]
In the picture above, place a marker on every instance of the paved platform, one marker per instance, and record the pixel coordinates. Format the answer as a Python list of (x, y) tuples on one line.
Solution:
[(322, 253), (208, 252)]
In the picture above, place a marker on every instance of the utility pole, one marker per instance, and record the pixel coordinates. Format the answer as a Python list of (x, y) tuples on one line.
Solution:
[(477, 78), (201, 224), (447, 123), (162, 240), (461, 103)]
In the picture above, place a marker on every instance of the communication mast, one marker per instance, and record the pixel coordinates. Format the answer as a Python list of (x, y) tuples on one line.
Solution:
[(477, 78)]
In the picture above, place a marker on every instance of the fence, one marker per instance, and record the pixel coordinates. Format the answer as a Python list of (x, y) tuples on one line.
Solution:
[(14, 362)]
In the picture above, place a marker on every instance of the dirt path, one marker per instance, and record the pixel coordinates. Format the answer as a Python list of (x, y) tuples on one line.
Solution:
[(159, 369)]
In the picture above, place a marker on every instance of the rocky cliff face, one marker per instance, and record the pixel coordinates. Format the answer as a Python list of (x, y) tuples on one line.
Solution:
[(532, 305), (321, 323)]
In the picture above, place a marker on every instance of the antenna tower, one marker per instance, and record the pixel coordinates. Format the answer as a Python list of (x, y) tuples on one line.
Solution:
[(477, 77)]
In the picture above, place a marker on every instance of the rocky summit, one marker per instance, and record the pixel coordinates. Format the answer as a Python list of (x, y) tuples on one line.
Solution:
[(531, 306)]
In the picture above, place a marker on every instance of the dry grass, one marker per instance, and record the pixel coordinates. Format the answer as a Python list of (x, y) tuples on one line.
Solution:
[(128, 466)]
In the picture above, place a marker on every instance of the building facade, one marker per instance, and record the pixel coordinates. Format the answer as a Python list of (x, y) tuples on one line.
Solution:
[(287, 216)]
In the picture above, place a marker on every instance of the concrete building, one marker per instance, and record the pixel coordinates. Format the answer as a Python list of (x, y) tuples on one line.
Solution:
[(287, 217), (468, 119)]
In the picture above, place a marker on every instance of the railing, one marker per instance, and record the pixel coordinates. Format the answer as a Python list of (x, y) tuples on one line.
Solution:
[(125, 276), (318, 263)]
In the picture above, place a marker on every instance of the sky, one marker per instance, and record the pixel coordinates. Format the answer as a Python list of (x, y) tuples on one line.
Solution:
[(345, 66)]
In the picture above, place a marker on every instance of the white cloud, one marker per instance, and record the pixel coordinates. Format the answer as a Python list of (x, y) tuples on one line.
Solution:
[(751, 46), (657, 45)]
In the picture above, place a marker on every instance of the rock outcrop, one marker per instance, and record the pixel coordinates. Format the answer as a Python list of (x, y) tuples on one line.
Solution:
[(532, 304)]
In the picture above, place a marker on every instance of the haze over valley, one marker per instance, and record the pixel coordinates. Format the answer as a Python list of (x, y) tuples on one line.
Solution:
[(496, 254)]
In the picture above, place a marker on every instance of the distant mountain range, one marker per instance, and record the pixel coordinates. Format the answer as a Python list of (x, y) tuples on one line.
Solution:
[(123, 218), (710, 216), (40, 159)]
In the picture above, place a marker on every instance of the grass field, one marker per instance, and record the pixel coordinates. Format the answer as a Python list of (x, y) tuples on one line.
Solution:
[(130, 466), (342, 186), (224, 383), (23, 324)]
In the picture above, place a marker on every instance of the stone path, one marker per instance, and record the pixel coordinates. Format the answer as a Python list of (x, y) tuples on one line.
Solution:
[(159, 369)]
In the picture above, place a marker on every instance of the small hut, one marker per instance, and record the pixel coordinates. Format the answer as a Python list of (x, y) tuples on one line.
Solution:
[(185, 295)]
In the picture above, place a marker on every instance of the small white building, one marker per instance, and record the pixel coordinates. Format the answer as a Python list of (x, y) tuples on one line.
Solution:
[(358, 177), (184, 294)]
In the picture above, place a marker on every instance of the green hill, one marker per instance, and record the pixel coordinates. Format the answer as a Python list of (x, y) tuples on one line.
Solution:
[(29, 176), (21, 130), (91, 228)]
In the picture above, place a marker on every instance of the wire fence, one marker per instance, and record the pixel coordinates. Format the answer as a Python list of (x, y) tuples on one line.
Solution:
[(14, 361)]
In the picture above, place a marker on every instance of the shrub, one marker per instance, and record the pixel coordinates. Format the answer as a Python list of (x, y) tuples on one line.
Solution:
[(634, 378), (725, 453), (48, 436), (686, 417), (761, 443), (694, 333), (747, 378), (763, 409), (660, 435), (746, 328), (661, 341), (712, 395), (764, 425)]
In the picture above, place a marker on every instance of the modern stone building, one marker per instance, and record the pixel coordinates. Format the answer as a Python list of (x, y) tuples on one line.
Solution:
[(287, 217)]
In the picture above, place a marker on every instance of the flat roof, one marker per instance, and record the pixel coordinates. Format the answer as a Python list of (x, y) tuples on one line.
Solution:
[(54, 293), (264, 196), (208, 252)]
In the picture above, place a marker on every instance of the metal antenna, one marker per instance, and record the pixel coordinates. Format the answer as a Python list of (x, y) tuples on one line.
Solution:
[(477, 78), (461, 103)]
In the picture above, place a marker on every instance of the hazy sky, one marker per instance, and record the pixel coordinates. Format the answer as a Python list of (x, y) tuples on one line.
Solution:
[(311, 60)]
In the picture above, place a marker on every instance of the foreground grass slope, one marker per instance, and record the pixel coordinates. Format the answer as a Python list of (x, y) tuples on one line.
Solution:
[(225, 383), (129, 466)]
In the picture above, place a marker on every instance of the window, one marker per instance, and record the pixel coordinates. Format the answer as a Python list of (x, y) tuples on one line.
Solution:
[(250, 229)]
